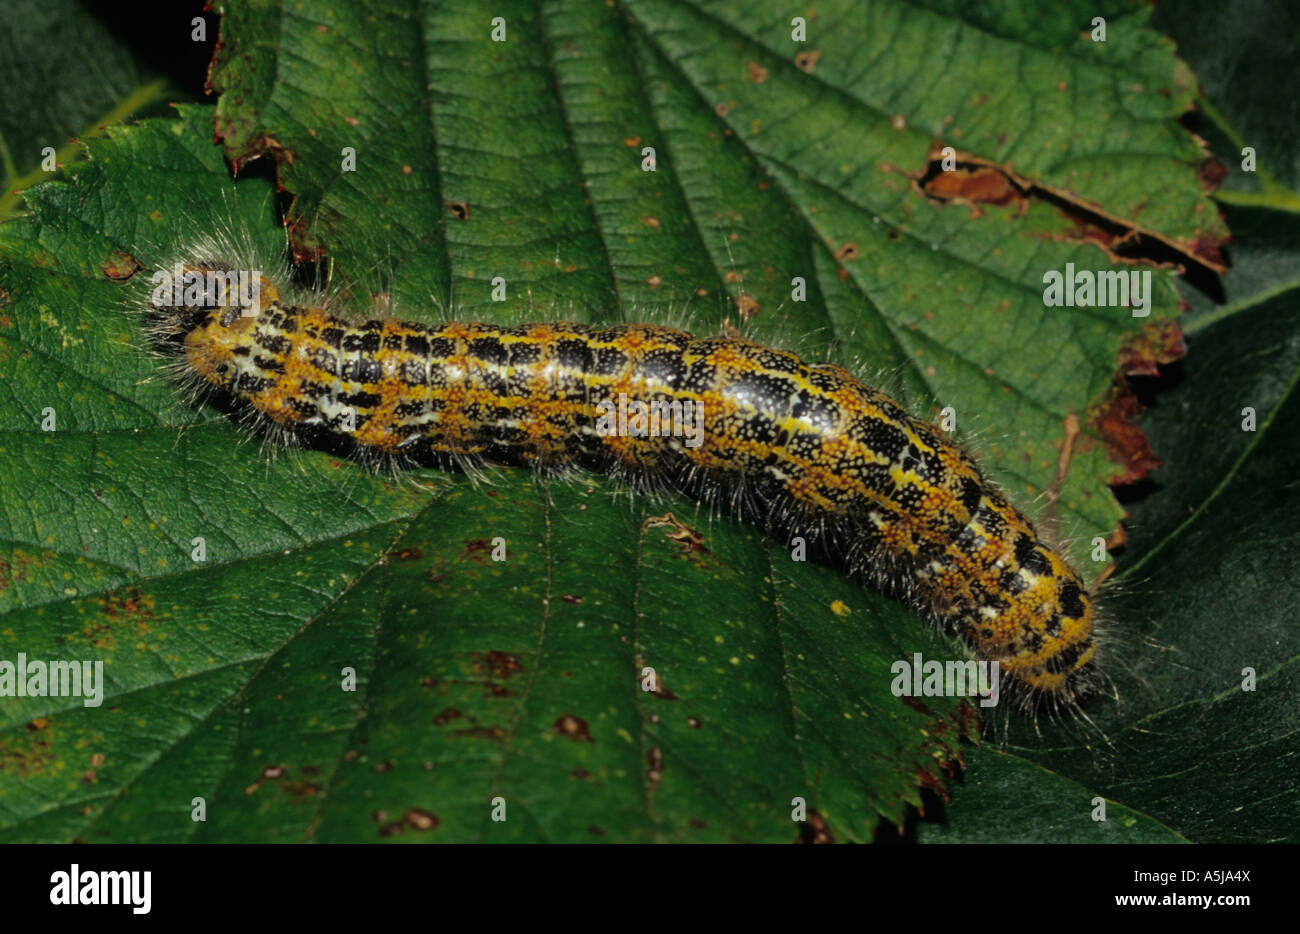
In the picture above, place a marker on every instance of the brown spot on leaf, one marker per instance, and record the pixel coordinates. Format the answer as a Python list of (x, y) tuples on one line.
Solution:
[(815, 830), (9, 574), (408, 554), (847, 252), (459, 209), (27, 754), (571, 598), (655, 760), (448, 715), (690, 540), (272, 772), (746, 306), (300, 790), (129, 602), (1126, 444), (483, 732), (807, 61), (121, 266), (661, 691), (421, 819), (126, 612), (1210, 251), (478, 550), (574, 728), (501, 664), (1211, 172), (757, 73), (1156, 344), (981, 185)]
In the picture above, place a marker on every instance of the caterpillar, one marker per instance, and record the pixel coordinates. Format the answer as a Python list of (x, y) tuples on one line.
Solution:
[(807, 442)]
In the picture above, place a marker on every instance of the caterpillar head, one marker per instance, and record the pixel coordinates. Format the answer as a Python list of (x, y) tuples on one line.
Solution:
[(186, 294), (204, 312), (1052, 642)]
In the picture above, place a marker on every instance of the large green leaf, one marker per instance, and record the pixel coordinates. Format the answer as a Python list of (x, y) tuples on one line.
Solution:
[(522, 679), (1209, 591), (1208, 585)]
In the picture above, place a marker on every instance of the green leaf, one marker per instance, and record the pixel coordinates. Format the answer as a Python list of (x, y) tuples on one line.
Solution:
[(521, 679), (1213, 595), (1010, 800), (1207, 586)]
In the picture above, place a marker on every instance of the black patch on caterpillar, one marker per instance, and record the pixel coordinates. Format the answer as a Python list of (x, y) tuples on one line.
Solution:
[(269, 364), (362, 368), (489, 350), (418, 345), (366, 343), (361, 399), (1030, 558), (1071, 600)]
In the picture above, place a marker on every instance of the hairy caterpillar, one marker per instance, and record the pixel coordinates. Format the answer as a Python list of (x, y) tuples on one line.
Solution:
[(806, 443)]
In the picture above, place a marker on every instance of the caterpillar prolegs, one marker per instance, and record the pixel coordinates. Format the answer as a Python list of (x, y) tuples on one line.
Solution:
[(807, 442)]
